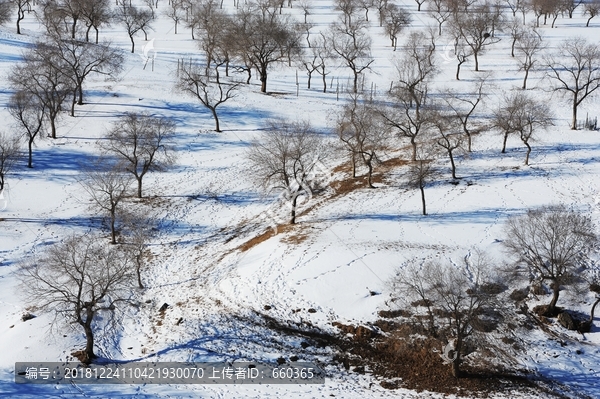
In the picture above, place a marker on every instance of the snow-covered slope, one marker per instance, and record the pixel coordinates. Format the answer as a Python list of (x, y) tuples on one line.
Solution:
[(336, 260)]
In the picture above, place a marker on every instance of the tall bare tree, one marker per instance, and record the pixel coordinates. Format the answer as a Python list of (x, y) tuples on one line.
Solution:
[(421, 172), (529, 46), (107, 189), (523, 115), (263, 38), (141, 143), (78, 279), (409, 116), (362, 135), (133, 18), (175, 11), (396, 20), (39, 76), (209, 89), (95, 13), (591, 8), (574, 70), (463, 107), (29, 114), (285, 160), (550, 242), (350, 42), (475, 27), (463, 295)]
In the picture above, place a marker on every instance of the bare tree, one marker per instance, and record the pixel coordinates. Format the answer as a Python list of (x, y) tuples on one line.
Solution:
[(175, 11), (9, 153), (463, 107), (95, 13), (141, 142), (529, 46), (133, 18), (39, 76), (441, 11), (362, 135), (107, 188), (138, 231), (522, 115), (570, 6), (475, 27), (591, 8), (396, 19), (350, 42), (409, 116), (263, 39), (22, 6), (465, 296), (286, 159), (575, 71), (207, 88), (29, 113), (421, 172), (448, 135), (550, 242), (77, 280), (78, 60)]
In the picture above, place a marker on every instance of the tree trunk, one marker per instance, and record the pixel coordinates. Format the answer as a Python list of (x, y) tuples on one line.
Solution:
[(96, 29), (574, 125), (294, 200), (324, 82), (113, 235), (504, 143), (263, 78), (80, 93), (525, 79), (468, 142), (89, 337), (87, 33), (30, 161), (214, 112), (355, 85), (476, 61), (132, 44), (139, 188), (52, 119), (451, 156), (456, 363), (555, 293), (138, 271), (414, 149), (528, 152), (422, 188), (309, 78)]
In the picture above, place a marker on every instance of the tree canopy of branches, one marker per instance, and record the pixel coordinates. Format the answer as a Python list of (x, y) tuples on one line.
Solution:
[(141, 143), (475, 27), (396, 19), (77, 60), (39, 76), (107, 188), (95, 13), (522, 114), (463, 107), (133, 18), (206, 88), (286, 159), (29, 113), (551, 242), (263, 38), (528, 46), (362, 135), (591, 8), (78, 279), (415, 70), (459, 303), (575, 71), (351, 43)]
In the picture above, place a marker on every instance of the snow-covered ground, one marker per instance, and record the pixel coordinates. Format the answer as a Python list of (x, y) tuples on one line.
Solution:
[(342, 250)]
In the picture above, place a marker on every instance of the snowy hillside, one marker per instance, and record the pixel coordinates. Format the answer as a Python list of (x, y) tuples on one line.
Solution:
[(240, 289)]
